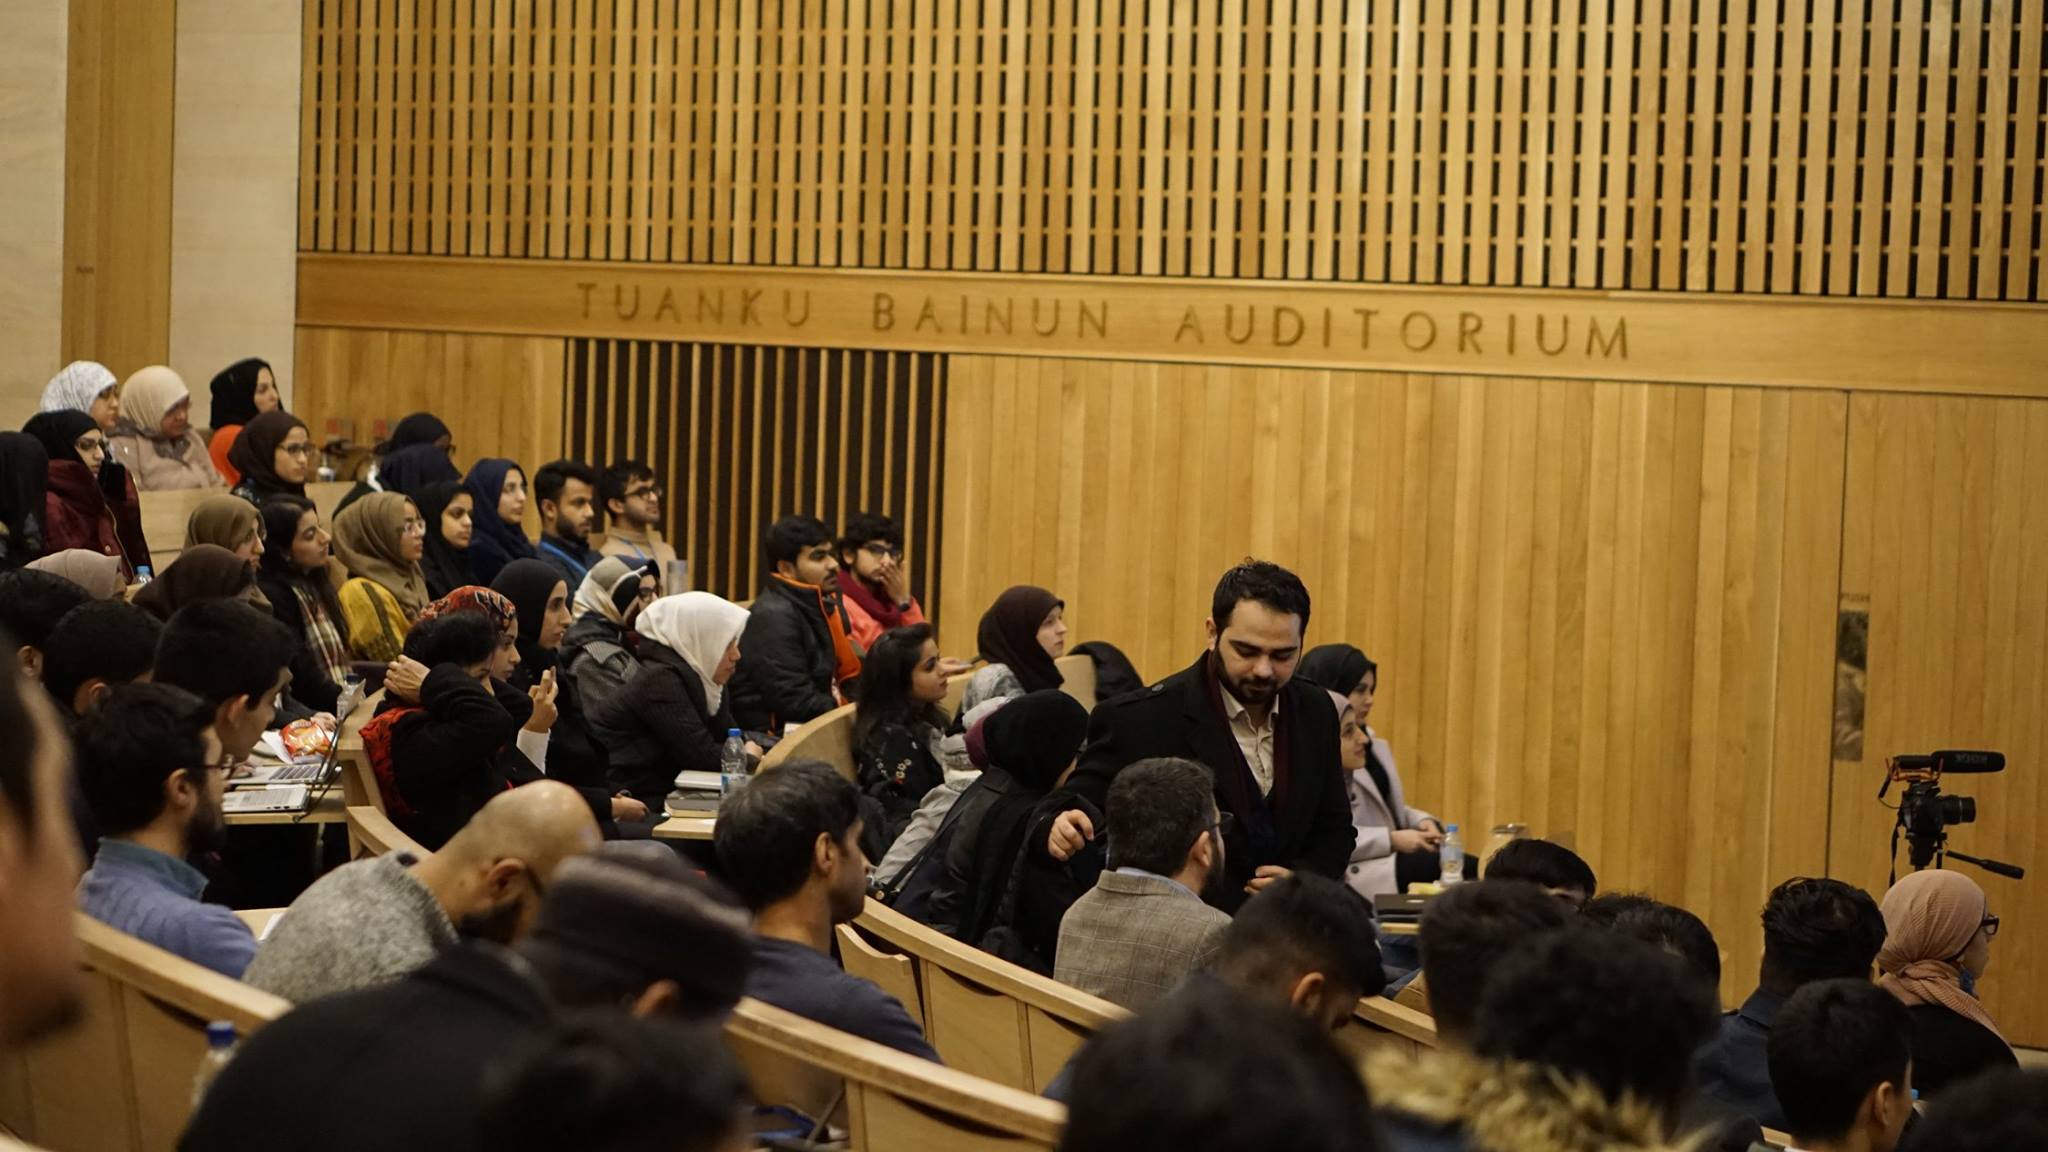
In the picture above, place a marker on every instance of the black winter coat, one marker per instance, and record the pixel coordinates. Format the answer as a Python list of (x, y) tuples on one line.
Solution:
[(454, 754), (310, 683), (787, 662), (660, 725)]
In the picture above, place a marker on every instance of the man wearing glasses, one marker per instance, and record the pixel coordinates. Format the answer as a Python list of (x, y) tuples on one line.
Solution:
[(633, 514), (154, 774), (875, 583)]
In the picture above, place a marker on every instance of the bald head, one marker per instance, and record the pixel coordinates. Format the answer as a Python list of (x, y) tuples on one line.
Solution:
[(489, 877)]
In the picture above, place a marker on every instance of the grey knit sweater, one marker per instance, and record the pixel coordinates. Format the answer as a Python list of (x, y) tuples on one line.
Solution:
[(361, 925)]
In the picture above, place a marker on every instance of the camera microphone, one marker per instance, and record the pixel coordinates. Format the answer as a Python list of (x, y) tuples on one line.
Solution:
[(1956, 761), (1931, 763)]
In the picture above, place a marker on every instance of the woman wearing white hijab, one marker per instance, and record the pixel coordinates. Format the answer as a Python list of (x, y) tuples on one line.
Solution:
[(88, 387), (673, 716), (154, 435)]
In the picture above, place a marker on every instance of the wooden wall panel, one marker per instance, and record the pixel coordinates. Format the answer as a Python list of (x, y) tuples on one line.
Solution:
[(32, 110), (741, 436), (1947, 548), (1808, 147), (1605, 610)]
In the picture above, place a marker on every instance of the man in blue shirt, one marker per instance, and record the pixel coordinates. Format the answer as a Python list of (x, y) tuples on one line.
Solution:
[(789, 844), (153, 774)]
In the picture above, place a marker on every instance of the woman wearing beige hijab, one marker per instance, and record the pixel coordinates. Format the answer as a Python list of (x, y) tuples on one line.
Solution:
[(228, 522), (154, 436), (380, 539), (1938, 930), (97, 573)]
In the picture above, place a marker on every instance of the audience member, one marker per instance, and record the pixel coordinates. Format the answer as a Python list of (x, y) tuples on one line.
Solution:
[(1938, 930), (1464, 935), (407, 1064), (412, 469), (95, 648), (274, 454), (31, 603), (1031, 741), (153, 773), (790, 844), (201, 572), (632, 504), (41, 982), (446, 511), (24, 498), (611, 1083), (154, 437), (88, 387), (241, 391), (94, 573), (914, 864), (1271, 742), (1553, 867), (1143, 927), (673, 715), (575, 753), (1995, 1112), (498, 535), (235, 658), (1677, 932), (1814, 929), (1397, 844), (802, 644), (296, 578), (897, 726), (380, 540), (599, 650), (1019, 637), (567, 493), (1115, 675), (226, 522), (418, 429), (1842, 1061), (1603, 910), (90, 501), (874, 583), (1212, 1070), (373, 921)]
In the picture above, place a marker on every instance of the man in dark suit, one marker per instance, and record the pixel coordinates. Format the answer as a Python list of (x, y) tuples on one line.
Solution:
[(1270, 741)]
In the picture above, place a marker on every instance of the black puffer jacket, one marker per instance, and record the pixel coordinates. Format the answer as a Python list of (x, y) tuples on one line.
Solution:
[(660, 725), (785, 676)]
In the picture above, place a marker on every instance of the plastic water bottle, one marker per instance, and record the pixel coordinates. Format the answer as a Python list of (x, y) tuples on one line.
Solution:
[(732, 765), (1453, 856), (220, 1048)]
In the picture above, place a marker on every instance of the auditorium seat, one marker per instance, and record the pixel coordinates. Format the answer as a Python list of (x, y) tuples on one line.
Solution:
[(1379, 1022), (828, 738), (371, 833), (164, 515), (1076, 672), (358, 780)]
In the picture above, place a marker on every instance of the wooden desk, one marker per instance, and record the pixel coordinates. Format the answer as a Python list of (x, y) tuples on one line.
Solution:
[(330, 809), (259, 919), (685, 828)]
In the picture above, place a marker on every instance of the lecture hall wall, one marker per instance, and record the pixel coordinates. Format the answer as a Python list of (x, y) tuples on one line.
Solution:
[(1588, 359)]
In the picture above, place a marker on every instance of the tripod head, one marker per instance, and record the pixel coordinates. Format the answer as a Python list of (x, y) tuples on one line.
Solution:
[(1925, 815)]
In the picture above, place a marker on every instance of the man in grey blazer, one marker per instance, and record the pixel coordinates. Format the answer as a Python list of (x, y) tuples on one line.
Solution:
[(1144, 926)]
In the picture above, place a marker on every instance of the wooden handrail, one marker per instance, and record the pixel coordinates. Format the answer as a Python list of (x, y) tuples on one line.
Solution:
[(174, 980), (376, 835), (976, 967), (1387, 1016), (828, 738)]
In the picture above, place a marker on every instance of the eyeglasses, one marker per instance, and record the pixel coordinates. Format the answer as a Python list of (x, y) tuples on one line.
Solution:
[(414, 526), (93, 444), (885, 551), (1990, 927), (299, 450), (1223, 822), (648, 493)]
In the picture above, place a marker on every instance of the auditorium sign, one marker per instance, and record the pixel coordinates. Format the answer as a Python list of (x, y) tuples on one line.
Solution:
[(1697, 337)]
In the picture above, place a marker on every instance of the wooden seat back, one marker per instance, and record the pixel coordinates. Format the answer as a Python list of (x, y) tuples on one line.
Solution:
[(121, 1080), (1077, 679), (890, 1100), (371, 833), (828, 738), (165, 514), (358, 780), (1378, 1022), (985, 1015)]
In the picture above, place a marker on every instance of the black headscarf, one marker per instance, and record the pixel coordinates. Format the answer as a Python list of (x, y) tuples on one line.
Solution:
[(1009, 635), (447, 567), (418, 428), (410, 469), (24, 481), (281, 517), (234, 393), (527, 584), (58, 432), (255, 454), (1030, 740), (1333, 667)]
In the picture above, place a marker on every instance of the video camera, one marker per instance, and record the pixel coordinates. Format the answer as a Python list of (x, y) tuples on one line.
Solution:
[(1925, 814)]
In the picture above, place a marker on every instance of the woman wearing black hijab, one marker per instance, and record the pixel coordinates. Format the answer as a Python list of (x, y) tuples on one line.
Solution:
[(447, 508), (1021, 635), (24, 486), (1031, 742), (1396, 844), (274, 454), (91, 503), (421, 451), (242, 391)]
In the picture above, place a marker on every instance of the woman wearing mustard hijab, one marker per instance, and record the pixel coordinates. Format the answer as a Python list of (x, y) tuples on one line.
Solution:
[(380, 539)]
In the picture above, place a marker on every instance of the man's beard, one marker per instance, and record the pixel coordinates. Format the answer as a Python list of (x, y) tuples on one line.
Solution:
[(1254, 690), (567, 531), (499, 925), (208, 831)]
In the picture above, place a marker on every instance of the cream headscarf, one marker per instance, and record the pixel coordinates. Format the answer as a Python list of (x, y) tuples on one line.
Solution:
[(77, 386), (1929, 919), (149, 394), (367, 537), (599, 591), (96, 572), (699, 627)]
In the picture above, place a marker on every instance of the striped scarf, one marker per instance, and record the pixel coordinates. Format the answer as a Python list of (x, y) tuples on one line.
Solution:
[(322, 635)]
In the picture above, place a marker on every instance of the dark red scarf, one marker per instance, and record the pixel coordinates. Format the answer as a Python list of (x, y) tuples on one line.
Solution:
[(881, 611)]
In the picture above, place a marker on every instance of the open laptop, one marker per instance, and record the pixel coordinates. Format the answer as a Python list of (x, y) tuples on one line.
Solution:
[(267, 772), (274, 798)]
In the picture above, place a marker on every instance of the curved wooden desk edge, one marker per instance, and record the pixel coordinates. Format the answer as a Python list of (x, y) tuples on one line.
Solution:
[(174, 980), (1382, 1013), (972, 964), (910, 1077), (378, 835)]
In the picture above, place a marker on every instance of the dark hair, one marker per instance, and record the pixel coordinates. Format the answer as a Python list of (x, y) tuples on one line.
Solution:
[(224, 649), (791, 536), (1302, 923), (862, 527), (1115, 675), (1210, 1069), (108, 640), (1619, 1014), (1157, 809), (1606, 908), (1543, 864), (884, 693), (1834, 1041), (765, 835), (613, 481), (22, 737), (32, 602), (1265, 582), (609, 1082), (281, 516), (1819, 929), (131, 743), (1992, 1112), (1678, 932), (1466, 931), (555, 476), (459, 638)]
